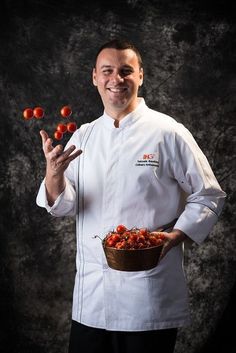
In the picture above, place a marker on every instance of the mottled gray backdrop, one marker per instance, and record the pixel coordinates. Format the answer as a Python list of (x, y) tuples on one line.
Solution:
[(46, 56)]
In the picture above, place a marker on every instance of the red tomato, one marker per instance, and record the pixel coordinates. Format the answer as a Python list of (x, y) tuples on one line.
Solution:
[(131, 244), (141, 239), (133, 237), (121, 228), (62, 128), (115, 237), (153, 240), (161, 236), (120, 245), (38, 112), (143, 231), (110, 242), (112, 239), (71, 127), (141, 246), (158, 235), (66, 111), (58, 135), (28, 113)]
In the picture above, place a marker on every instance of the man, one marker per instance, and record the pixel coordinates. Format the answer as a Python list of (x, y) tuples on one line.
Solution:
[(140, 168)]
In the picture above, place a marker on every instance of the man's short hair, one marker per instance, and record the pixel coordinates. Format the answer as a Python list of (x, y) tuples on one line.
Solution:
[(120, 44)]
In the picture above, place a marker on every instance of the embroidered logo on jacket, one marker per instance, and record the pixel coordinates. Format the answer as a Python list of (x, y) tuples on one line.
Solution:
[(148, 156), (148, 160)]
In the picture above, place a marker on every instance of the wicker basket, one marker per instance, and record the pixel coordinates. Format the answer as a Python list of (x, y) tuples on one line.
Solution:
[(133, 260)]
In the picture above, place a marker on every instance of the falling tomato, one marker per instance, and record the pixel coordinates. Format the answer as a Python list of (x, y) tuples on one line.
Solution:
[(71, 127), (28, 113), (38, 112), (66, 111), (58, 135), (62, 128)]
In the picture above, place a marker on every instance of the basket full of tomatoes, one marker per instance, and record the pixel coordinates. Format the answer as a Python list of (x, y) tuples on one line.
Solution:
[(135, 249)]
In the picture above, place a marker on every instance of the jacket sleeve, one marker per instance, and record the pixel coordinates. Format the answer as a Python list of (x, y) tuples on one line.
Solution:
[(64, 204), (205, 198)]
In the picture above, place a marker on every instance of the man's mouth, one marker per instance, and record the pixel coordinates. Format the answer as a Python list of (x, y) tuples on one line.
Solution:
[(117, 89)]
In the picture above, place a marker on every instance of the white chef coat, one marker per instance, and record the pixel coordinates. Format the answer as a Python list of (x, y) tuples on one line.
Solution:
[(145, 173)]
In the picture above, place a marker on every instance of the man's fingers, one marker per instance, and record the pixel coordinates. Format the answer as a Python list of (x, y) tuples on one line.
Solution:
[(44, 136), (69, 150), (165, 249), (68, 154), (174, 238), (74, 155), (46, 141), (54, 152)]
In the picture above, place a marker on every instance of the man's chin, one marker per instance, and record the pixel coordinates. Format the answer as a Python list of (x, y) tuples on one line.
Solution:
[(118, 103)]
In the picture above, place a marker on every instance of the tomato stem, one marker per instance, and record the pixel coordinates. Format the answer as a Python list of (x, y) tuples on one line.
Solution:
[(97, 236)]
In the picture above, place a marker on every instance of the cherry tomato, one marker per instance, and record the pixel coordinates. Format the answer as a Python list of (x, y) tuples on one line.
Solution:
[(121, 228), (28, 113), (158, 235), (125, 235), (58, 135), (153, 240), (141, 246), (110, 242), (62, 128), (115, 237), (161, 236), (131, 243), (112, 239), (38, 112), (133, 237), (141, 239), (71, 127), (66, 111), (120, 245), (143, 231)]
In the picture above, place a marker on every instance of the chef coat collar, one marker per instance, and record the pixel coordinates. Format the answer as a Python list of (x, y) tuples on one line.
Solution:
[(128, 119)]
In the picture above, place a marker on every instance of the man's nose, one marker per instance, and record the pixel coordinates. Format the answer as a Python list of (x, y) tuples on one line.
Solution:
[(117, 77)]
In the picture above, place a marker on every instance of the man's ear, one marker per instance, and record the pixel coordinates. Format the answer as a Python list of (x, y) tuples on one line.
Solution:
[(141, 76), (94, 77)]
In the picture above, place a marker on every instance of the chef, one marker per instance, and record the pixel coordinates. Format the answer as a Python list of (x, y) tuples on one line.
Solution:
[(137, 167)]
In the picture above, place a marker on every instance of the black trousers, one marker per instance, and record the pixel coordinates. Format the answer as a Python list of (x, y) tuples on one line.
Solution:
[(84, 339)]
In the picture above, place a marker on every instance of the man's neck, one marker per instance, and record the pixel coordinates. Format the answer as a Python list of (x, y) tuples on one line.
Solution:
[(118, 115)]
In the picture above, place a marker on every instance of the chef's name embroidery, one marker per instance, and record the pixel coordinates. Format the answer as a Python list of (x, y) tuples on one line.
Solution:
[(147, 161)]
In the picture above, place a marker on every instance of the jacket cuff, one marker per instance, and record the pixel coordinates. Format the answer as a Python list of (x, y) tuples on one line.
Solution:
[(63, 205), (196, 222)]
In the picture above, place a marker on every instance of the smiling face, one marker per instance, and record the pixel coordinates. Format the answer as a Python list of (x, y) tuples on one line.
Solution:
[(118, 76)]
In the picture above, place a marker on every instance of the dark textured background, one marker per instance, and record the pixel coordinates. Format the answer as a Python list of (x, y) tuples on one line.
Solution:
[(46, 57)]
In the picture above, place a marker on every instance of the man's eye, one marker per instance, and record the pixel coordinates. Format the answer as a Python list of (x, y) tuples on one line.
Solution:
[(126, 72), (107, 72)]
